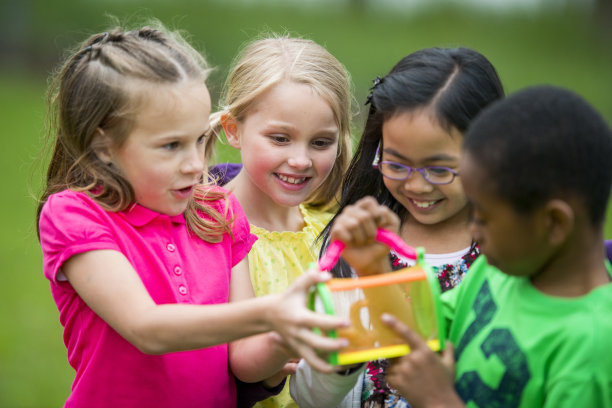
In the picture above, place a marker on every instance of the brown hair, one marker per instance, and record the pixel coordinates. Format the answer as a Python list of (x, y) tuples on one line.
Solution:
[(91, 92)]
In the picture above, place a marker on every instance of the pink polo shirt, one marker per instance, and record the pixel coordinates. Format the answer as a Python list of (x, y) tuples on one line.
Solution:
[(176, 267)]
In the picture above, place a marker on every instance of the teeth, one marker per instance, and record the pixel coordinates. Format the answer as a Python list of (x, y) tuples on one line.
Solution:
[(291, 180), (423, 204)]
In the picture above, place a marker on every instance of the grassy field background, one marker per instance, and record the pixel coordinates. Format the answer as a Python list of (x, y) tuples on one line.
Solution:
[(564, 48)]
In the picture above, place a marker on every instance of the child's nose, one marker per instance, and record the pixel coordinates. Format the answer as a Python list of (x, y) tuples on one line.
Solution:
[(194, 161), (416, 182), (300, 159)]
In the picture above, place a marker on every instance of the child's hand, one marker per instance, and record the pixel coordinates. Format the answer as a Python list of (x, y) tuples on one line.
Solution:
[(294, 322), (356, 226), (422, 377), (289, 369)]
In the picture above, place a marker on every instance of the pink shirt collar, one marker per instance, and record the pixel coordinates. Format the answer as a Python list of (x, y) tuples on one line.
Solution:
[(138, 216)]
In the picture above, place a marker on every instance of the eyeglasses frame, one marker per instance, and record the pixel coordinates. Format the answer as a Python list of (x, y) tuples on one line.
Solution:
[(376, 163)]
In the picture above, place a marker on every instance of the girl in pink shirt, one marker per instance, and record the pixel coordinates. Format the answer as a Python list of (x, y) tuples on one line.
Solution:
[(142, 285)]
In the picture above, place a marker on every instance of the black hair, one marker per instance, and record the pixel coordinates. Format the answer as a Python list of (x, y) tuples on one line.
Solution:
[(544, 142), (456, 83)]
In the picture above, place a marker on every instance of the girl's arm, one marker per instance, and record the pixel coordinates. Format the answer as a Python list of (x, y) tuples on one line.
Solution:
[(255, 358), (109, 285)]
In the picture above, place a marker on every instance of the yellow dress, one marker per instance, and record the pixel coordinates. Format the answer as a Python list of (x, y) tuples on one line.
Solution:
[(276, 260)]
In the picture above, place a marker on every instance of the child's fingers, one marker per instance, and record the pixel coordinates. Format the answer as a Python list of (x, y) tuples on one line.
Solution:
[(358, 223), (304, 348), (387, 219), (448, 357), (291, 367), (281, 344), (315, 361), (311, 277), (321, 342), (324, 322), (354, 226)]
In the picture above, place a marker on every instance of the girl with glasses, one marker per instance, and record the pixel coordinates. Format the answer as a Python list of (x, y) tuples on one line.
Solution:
[(408, 158)]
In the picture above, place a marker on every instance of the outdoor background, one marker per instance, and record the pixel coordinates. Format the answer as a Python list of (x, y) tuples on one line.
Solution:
[(529, 41)]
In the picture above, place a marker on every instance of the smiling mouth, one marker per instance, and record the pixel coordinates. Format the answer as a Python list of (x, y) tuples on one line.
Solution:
[(424, 204), (292, 180)]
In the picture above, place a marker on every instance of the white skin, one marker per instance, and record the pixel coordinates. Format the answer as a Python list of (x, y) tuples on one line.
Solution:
[(163, 158), (288, 143), (439, 215)]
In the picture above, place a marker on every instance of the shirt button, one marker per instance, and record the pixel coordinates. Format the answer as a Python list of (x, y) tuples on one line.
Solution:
[(171, 247), (178, 270), (182, 290)]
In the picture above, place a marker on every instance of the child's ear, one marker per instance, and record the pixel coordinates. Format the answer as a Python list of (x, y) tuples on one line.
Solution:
[(560, 220), (230, 126), (101, 145)]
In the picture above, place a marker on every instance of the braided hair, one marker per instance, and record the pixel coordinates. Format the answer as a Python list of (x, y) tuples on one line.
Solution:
[(98, 89)]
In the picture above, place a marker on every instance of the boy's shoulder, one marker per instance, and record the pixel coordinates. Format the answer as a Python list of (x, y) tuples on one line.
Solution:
[(549, 347)]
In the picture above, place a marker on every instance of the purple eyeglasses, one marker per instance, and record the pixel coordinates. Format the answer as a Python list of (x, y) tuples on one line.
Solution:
[(397, 171)]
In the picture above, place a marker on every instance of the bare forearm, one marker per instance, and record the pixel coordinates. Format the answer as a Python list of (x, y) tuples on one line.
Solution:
[(176, 327), (256, 358)]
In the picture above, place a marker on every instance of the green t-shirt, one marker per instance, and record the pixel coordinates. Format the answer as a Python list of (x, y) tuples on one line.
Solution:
[(517, 347)]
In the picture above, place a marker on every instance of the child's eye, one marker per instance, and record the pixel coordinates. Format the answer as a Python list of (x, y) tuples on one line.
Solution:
[(322, 143), (395, 167), (201, 139), (279, 139), (171, 146), (438, 171)]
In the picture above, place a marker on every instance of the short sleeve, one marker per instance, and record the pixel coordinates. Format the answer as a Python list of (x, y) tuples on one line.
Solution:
[(71, 223)]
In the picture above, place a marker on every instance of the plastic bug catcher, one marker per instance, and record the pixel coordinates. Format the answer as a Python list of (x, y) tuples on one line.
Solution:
[(411, 294)]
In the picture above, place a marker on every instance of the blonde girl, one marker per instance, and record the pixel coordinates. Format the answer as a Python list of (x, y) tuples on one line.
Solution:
[(287, 109), (142, 289)]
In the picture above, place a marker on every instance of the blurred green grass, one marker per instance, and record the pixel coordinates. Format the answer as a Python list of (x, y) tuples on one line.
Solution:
[(564, 49)]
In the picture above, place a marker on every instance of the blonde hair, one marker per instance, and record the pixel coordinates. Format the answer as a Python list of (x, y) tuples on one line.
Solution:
[(266, 62), (91, 92)]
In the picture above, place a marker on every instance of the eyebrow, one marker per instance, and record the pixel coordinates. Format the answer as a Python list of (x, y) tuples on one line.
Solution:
[(327, 131), (281, 125), (434, 158)]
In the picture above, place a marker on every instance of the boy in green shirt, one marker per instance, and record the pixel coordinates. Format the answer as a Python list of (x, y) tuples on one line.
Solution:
[(530, 323)]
